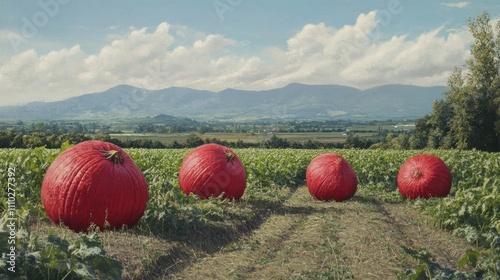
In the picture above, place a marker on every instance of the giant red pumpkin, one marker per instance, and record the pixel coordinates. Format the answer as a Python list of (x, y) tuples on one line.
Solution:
[(331, 177), (212, 170), (94, 183), (424, 176)]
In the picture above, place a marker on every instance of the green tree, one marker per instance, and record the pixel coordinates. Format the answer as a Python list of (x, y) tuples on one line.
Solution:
[(401, 142), (418, 139), (475, 95), (193, 141), (276, 142), (438, 122), (17, 142), (175, 145), (35, 139), (469, 117), (73, 138), (6, 138), (102, 136)]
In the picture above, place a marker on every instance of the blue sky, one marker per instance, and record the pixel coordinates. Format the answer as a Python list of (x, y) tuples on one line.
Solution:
[(54, 49)]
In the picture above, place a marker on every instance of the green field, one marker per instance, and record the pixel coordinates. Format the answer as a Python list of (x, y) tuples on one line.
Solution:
[(277, 230), (366, 131), (169, 138)]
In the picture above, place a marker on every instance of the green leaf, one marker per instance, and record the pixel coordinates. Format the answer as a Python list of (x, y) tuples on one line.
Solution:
[(85, 271), (58, 242), (108, 266), (64, 146), (420, 273), (471, 257), (88, 252)]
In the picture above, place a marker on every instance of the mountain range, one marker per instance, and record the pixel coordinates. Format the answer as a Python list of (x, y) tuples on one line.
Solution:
[(294, 101)]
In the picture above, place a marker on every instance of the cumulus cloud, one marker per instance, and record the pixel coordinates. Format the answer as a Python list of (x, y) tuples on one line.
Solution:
[(354, 56), (30, 77), (456, 4), (351, 55)]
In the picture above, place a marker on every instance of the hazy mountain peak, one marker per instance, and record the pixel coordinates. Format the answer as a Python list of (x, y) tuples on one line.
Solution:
[(294, 101)]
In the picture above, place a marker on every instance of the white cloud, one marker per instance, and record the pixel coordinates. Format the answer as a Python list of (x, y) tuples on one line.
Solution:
[(29, 77), (354, 56), (318, 54), (456, 4)]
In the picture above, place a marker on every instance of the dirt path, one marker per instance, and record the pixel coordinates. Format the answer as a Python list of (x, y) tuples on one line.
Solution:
[(308, 239)]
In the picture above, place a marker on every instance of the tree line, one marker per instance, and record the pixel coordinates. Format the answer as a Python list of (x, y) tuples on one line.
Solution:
[(12, 139), (469, 115)]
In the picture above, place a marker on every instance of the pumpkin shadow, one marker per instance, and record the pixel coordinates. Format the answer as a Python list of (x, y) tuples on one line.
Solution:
[(374, 201)]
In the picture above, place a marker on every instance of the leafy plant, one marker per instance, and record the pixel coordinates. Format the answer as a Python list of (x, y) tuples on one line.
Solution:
[(471, 210), (54, 258), (479, 262), (427, 267)]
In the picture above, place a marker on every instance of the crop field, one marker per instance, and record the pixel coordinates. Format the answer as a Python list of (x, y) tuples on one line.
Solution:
[(169, 138), (277, 230)]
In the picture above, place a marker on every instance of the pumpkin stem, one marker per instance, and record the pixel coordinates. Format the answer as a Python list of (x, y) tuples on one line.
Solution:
[(113, 156), (229, 156)]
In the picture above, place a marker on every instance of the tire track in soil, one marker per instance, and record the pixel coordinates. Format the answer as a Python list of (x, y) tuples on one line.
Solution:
[(308, 239), (252, 255), (188, 250), (375, 237), (446, 248)]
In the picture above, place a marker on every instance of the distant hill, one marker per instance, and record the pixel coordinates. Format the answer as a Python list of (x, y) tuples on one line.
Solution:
[(295, 101)]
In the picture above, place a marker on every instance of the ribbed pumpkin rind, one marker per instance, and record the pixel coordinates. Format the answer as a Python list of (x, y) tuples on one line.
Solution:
[(82, 188), (207, 171), (331, 177), (424, 176)]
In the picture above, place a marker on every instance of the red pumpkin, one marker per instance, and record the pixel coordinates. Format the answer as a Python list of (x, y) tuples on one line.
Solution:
[(424, 176), (94, 183), (210, 170), (331, 177)]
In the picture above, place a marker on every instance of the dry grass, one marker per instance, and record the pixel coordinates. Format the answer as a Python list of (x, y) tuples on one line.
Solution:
[(308, 239), (297, 238)]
